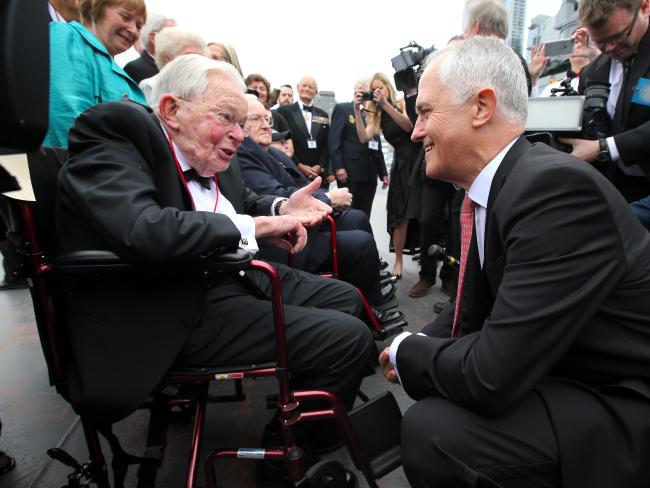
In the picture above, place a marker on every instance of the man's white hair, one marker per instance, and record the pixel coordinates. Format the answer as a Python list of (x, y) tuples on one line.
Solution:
[(485, 62), (172, 40), (187, 77), (362, 80), (155, 23)]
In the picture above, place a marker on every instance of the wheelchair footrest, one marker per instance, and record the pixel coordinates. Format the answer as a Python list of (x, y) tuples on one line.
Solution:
[(391, 329), (377, 425)]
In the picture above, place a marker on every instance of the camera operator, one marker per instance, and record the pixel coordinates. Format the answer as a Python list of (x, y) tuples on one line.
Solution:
[(620, 29)]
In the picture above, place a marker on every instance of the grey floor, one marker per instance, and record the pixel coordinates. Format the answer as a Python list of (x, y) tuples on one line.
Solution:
[(35, 418)]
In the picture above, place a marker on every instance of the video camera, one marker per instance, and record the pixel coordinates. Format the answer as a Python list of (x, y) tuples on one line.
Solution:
[(405, 63)]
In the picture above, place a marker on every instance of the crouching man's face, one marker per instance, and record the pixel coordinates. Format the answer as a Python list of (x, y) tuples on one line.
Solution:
[(210, 127)]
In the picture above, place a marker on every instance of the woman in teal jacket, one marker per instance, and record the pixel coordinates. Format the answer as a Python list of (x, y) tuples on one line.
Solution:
[(82, 69)]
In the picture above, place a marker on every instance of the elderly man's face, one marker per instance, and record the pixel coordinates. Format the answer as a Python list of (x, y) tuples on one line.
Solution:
[(286, 96), (257, 124), (307, 89), (210, 126), (443, 128)]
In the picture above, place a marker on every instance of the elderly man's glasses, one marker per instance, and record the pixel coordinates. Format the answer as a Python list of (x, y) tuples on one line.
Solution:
[(618, 38), (226, 118), (257, 119)]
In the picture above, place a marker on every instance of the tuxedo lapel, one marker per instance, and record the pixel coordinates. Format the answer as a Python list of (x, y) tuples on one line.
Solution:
[(296, 113)]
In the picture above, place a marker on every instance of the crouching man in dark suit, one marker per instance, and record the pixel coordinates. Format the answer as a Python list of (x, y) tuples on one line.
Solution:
[(157, 188), (540, 373)]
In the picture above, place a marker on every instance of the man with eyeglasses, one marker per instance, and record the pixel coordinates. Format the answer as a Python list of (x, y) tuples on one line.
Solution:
[(159, 188), (619, 28)]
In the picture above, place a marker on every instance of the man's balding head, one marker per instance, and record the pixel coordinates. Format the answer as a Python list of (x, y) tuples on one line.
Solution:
[(307, 89)]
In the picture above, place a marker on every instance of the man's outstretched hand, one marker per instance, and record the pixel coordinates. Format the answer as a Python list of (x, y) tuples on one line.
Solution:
[(305, 207)]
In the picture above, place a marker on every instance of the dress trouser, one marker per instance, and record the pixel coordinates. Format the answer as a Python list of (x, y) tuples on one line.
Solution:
[(363, 193), (328, 346), (444, 445)]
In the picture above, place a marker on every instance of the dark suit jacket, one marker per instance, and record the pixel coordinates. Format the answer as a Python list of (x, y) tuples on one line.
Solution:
[(347, 151), (631, 124), (120, 190), (142, 67), (300, 135), (561, 307), (272, 172)]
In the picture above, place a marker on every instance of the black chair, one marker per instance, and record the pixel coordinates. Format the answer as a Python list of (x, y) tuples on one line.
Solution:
[(43, 269)]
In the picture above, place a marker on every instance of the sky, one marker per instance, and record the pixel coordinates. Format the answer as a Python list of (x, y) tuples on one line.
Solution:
[(336, 41)]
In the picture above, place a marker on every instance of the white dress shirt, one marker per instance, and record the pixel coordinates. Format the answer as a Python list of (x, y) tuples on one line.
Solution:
[(205, 200), (478, 193)]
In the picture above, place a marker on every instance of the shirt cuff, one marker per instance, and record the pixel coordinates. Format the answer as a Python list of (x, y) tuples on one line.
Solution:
[(246, 226), (613, 150)]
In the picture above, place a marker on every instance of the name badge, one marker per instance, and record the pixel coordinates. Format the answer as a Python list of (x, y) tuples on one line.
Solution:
[(642, 92), (311, 144), (374, 145)]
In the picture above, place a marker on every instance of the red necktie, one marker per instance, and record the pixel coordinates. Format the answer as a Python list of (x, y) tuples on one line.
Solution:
[(466, 226)]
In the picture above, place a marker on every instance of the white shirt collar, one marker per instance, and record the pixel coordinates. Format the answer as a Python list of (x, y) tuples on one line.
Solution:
[(479, 192), (301, 104)]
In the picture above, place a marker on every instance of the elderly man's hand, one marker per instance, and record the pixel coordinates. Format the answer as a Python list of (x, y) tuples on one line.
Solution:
[(389, 371), (280, 231), (582, 148), (303, 205), (341, 198)]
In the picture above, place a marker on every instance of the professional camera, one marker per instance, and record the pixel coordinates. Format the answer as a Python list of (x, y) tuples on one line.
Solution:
[(596, 123), (566, 89), (367, 95), (411, 56)]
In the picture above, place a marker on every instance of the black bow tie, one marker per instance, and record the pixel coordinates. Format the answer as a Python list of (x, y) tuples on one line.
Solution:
[(306, 108), (191, 174)]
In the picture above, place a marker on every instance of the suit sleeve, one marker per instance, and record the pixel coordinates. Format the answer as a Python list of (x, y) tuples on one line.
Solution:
[(336, 137), (112, 186), (254, 204), (259, 179), (563, 255)]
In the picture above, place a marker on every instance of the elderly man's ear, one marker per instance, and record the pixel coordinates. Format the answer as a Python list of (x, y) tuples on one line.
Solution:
[(168, 110), (485, 104)]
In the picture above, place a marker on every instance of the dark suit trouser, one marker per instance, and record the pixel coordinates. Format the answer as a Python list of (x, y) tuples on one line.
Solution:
[(434, 223), (363, 193), (328, 346), (444, 445)]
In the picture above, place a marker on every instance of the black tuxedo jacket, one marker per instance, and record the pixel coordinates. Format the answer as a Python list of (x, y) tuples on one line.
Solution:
[(142, 67), (120, 190), (347, 151), (272, 172), (300, 135), (561, 307), (631, 124)]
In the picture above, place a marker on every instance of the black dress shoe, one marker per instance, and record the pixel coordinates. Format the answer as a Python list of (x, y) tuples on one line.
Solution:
[(386, 317), (387, 292), (383, 264)]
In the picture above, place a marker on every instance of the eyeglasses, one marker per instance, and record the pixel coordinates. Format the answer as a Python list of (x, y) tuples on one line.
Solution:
[(226, 118), (618, 38), (257, 119)]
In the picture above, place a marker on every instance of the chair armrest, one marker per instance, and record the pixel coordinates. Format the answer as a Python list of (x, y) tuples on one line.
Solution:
[(96, 261)]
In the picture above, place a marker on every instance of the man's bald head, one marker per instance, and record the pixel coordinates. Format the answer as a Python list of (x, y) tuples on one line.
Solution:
[(307, 89)]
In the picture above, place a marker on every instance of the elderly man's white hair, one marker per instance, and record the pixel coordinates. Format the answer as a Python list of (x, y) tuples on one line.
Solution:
[(172, 40), (485, 62), (155, 22), (187, 77), (362, 80)]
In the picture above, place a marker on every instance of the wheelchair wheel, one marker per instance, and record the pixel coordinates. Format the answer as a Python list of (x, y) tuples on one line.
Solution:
[(330, 474)]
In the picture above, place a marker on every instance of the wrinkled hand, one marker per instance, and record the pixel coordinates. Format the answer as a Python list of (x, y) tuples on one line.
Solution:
[(342, 175), (385, 181), (280, 230), (303, 205), (341, 198), (538, 61), (389, 372), (307, 171), (582, 148)]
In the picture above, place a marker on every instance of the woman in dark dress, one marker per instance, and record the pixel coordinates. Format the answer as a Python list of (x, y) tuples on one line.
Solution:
[(387, 114)]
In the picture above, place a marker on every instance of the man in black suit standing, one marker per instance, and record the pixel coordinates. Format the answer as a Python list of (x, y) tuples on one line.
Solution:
[(355, 165), (145, 66), (539, 374), (309, 127), (157, 188), (620, 29)]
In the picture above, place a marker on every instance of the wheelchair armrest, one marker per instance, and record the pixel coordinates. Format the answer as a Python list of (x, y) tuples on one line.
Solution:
[(94, 261)]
